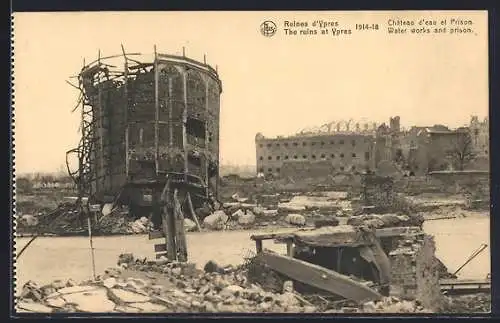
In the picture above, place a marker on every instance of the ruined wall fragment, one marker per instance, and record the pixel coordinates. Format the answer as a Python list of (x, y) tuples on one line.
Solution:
[(415, 273)]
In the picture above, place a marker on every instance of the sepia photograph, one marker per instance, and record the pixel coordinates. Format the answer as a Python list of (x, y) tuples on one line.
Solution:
[(254, 162)]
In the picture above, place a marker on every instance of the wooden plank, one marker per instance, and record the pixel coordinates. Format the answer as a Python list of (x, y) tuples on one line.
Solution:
[(160, 247), (156, 235), (319, 277)]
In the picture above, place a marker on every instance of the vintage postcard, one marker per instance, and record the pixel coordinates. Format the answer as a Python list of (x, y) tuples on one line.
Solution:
[(252, 162)]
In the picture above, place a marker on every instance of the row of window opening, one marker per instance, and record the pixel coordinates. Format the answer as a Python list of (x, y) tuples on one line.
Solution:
[(322, 143), (277, 170), (323, 156)]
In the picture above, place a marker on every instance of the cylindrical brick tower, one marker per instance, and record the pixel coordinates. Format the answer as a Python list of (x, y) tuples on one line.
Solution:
[(145, 121)]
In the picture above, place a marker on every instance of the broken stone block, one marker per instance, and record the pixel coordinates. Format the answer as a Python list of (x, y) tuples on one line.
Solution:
[(231, 290), (70, 283), (288, 299), (126, 296), (369, 307), (236, 215), (189, 225), (58, 284), (58, 302), (23, 306), (136, 283), (227, 308), (126, 309), (109, 282), (296, 219), (74, 289), (113, 272), (31, 291), (216, 221), (309, 309), (288, 286), (125, 258), (148, 307), (258, 210), (93, 301), (245, 219), (270, 213)]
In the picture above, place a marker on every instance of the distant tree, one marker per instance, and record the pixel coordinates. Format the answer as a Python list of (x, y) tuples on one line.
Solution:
[(432, 164), (461, 153), (24, 184)]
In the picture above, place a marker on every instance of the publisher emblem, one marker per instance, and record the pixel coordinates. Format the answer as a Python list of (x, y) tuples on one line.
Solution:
[(268, 28)]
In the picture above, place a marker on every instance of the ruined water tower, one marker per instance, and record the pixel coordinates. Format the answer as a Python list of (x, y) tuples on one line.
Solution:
[(143, 120)]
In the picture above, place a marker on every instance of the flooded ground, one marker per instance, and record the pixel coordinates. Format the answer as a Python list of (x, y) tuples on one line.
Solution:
[(49, 258)]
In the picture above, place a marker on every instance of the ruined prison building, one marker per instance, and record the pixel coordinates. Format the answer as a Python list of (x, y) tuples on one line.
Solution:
[(317, 153), (143, 119)]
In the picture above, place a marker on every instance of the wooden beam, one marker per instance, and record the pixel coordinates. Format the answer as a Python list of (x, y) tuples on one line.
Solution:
[(157, 113), (258, 246), (184, 121), (180, 235), (193, 213), (160, 247), (168, 223), (320, 277), (289, 248), (156, 235)]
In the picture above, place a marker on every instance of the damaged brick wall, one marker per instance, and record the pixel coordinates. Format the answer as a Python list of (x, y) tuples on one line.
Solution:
[(415, 272)]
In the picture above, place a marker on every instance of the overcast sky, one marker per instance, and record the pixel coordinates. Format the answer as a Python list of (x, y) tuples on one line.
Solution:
[(274, 85)]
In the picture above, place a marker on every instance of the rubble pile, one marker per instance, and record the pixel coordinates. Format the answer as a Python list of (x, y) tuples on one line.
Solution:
[(476, 303), (140, 286), (122, 224), (64, 220), (379, 221)]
